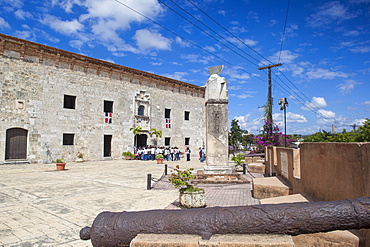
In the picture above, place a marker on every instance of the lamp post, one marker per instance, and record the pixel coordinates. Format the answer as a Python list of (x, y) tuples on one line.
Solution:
[(283, 104)]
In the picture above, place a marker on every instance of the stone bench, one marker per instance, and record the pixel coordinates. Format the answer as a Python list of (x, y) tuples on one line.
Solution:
[(270, 187)]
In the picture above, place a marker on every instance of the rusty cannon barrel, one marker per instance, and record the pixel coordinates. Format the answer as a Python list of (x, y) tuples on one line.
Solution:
[(118, 229)]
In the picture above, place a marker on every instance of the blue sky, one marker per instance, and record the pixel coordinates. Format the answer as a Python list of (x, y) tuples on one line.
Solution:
[(325, 53)]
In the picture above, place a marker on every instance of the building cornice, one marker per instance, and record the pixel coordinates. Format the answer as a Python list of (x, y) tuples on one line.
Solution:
[(39, 53)]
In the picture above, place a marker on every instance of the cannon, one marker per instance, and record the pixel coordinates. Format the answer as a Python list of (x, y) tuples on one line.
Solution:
[(118, 229)]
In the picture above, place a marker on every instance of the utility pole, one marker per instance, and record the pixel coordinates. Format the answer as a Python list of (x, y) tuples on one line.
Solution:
[(269, 98), (354, 127)]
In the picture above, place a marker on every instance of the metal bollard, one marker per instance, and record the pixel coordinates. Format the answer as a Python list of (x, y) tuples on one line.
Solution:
[(165, 169), (149, 181), (244, 168)]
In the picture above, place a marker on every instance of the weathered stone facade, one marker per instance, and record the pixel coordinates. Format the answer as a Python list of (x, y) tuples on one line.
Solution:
[(56, 101)]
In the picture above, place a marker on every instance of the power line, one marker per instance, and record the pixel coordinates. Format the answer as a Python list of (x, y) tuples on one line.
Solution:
[(238, 67), (283, 37), (241, 41), (187, 40), (207, 32)]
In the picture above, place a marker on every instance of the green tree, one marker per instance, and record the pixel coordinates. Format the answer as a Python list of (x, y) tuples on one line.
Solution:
[(156, 133), (364, 131), (236, 134), (136, 131), (323, 136)]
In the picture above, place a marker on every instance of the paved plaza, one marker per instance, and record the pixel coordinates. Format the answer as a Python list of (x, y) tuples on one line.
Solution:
[(44, 207)]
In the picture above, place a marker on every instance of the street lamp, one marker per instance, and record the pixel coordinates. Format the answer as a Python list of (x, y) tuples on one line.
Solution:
[(283, 104)]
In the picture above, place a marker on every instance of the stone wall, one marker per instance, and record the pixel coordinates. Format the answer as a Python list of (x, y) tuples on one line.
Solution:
[(335, 171), (34, 79), (324, 171)]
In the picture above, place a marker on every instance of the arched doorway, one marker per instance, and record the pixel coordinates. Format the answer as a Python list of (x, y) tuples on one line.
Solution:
[(16, 144), (141, 140)]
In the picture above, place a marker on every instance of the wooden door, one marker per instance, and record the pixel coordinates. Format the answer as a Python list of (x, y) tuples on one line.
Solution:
[(16, 144)]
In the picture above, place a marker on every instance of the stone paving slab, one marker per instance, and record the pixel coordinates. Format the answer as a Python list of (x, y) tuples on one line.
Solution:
[(40, 206)]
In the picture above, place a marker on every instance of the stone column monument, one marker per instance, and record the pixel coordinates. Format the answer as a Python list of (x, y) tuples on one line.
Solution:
[(217, 144)]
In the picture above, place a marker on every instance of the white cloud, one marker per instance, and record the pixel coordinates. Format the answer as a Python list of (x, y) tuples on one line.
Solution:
[(290, 118), (4, 24), (326, 114), (156, 63), (104, 19), (253, 126), (316, 103), (242, 96), (177, 75), (324, 74), (148, 40), (195, 58), (286, 57), (21, 14), (222, 12), (181, 42), (361, 49), (345, 88), (64, 27), (328, 13)]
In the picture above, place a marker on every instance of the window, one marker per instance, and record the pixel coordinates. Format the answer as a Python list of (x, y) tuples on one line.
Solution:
[(69, 102), (108, 106), (167, 141), (187, 115), (167, 113), (140, 110), (68, 139), (187, 141)]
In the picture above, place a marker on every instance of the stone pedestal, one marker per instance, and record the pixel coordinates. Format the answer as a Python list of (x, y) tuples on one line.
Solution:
[(217, 146)]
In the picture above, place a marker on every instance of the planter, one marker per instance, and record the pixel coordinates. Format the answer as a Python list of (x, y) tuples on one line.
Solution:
[(78, 160), (60, 166), (159, 161), (194, 199)]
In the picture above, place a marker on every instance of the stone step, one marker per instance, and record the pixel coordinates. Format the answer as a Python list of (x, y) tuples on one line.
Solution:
[(270, 187)]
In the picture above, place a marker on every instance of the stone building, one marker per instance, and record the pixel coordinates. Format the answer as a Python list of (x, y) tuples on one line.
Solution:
[(55, 104)]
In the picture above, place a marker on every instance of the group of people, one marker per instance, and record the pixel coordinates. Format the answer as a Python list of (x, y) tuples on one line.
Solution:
[(150, 153), (169, 153)]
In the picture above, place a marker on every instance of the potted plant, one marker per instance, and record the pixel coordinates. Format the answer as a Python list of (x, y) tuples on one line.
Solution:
[(80, 157), (128, 155), (239, 159), (61, 164), (190, 196), (159, 158)]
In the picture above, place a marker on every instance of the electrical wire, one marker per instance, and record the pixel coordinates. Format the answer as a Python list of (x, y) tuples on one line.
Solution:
[(241, 41), (187, 40), (281, 46), (283, 37), (205, 32), (237, 67)]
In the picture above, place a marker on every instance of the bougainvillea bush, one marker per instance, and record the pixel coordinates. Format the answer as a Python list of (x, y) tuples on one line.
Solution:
[(272, 137)]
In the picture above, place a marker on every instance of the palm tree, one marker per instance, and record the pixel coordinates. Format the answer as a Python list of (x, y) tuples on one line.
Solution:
[(156, 133), (136, 131)]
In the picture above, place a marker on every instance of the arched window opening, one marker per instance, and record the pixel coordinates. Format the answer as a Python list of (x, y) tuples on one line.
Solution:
[(140, 110)]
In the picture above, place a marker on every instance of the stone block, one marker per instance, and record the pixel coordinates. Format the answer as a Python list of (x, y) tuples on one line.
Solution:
[(165, 240), (285, 199), (330, 239), (270, 187), (219, 240), (256, 168)]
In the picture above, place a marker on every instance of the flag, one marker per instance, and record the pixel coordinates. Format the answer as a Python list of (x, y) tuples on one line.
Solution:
[(168, 123), (108, 117)]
